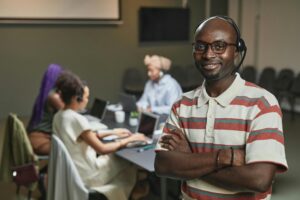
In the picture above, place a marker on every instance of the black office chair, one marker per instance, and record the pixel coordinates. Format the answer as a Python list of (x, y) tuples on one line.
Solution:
[(194, 78), (134, 81), (283, 83), (294, 94), (179, 74), (267, 79), (19, 163), (249, 73)]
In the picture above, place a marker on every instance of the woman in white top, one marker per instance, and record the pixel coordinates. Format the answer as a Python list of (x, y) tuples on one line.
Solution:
[(110, 175), (161, 90)]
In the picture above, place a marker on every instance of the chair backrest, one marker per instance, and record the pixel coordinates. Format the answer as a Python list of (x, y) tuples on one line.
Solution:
[(178, 73), (64, 181), (267, 79), (249, 73), (295, 89), (194, 77), (284, 80), (133, 81)]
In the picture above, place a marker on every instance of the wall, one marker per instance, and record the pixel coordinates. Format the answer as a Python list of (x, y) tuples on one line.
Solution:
[(99, 54), (270, 29)]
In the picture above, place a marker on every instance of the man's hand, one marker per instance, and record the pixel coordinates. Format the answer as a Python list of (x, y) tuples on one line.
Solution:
[(176, 141)]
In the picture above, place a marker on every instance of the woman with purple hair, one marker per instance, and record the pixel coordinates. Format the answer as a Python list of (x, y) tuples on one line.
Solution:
[(47, 103)]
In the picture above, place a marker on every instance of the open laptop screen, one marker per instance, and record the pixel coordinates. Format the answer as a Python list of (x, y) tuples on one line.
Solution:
[(98, 108), (147, 124)]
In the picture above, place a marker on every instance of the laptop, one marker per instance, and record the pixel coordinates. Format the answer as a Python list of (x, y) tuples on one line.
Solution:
[(147, 125), (128, 102), (97, 111)]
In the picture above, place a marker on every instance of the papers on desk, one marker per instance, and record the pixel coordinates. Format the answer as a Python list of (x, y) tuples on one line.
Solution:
[(97, 126), (114, 107)]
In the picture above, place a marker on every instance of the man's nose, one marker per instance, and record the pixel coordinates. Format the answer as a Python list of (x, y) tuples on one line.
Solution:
[(209, 53)]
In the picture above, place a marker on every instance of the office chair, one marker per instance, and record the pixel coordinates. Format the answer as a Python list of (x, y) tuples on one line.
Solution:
[(134, 81), (194, 78), (179, 74), (249, 73), (64, 181), (294, 94), (19, 163), (283, 83), (267, 79)]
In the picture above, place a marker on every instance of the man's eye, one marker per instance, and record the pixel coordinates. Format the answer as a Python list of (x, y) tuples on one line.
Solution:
[(219, 46), (201, 46)]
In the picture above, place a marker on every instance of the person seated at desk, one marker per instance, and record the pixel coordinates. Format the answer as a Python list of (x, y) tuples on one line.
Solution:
[(47, 103), (84, 145), (161, 91)]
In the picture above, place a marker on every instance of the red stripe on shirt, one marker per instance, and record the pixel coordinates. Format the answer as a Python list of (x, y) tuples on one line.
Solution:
[(232, 126), (275, 109), (251, 84), (266, 136), (193, 125), (189, 102)]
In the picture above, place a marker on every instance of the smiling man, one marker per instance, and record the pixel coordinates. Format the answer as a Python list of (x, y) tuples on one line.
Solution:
[(223, 139)]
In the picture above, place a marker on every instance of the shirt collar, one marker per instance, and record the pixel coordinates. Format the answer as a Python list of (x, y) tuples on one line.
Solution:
[(163, 80), (223, 99)]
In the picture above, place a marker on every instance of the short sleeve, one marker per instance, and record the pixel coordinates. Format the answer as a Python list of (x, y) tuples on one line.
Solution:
[(78, 125), (265, 141)]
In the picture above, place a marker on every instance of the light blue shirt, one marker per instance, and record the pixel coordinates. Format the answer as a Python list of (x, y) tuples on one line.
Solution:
[(160, 95)]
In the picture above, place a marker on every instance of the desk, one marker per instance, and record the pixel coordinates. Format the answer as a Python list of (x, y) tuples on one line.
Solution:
[(143, 159)]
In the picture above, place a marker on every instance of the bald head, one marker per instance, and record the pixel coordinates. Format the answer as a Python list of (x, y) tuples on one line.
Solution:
[(216, 27)]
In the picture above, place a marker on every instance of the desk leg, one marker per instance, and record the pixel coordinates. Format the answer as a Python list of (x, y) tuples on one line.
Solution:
[(163, 188)]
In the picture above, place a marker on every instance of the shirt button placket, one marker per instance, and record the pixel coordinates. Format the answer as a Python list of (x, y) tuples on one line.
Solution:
[(210, 119)]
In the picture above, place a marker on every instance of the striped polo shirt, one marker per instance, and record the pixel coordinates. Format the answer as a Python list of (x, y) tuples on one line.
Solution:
[(244, 116)]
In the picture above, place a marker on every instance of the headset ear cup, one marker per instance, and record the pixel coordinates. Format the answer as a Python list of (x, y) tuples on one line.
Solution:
[(161, 74), (241, 45), (80, 95), (79, 99)]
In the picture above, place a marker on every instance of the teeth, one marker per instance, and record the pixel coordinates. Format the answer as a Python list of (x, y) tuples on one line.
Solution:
[(211, 66)]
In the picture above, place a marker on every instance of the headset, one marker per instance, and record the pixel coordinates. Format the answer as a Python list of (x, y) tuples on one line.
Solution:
[(162, 72), (80, 91), (240, 43), (79, 95)]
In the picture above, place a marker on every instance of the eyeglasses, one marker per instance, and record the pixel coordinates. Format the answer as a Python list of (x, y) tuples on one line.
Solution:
[(218, 47)]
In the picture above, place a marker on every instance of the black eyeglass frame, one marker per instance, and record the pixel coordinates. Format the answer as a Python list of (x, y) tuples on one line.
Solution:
[(213, 46)]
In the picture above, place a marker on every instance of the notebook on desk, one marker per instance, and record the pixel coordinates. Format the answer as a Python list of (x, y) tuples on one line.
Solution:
[(97, 111), (128, 102)]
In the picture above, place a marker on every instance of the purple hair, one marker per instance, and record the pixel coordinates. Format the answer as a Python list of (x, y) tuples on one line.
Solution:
[(48, 82)]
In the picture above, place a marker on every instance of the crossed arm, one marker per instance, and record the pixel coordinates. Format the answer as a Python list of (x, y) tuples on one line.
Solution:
[(221, 168)]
